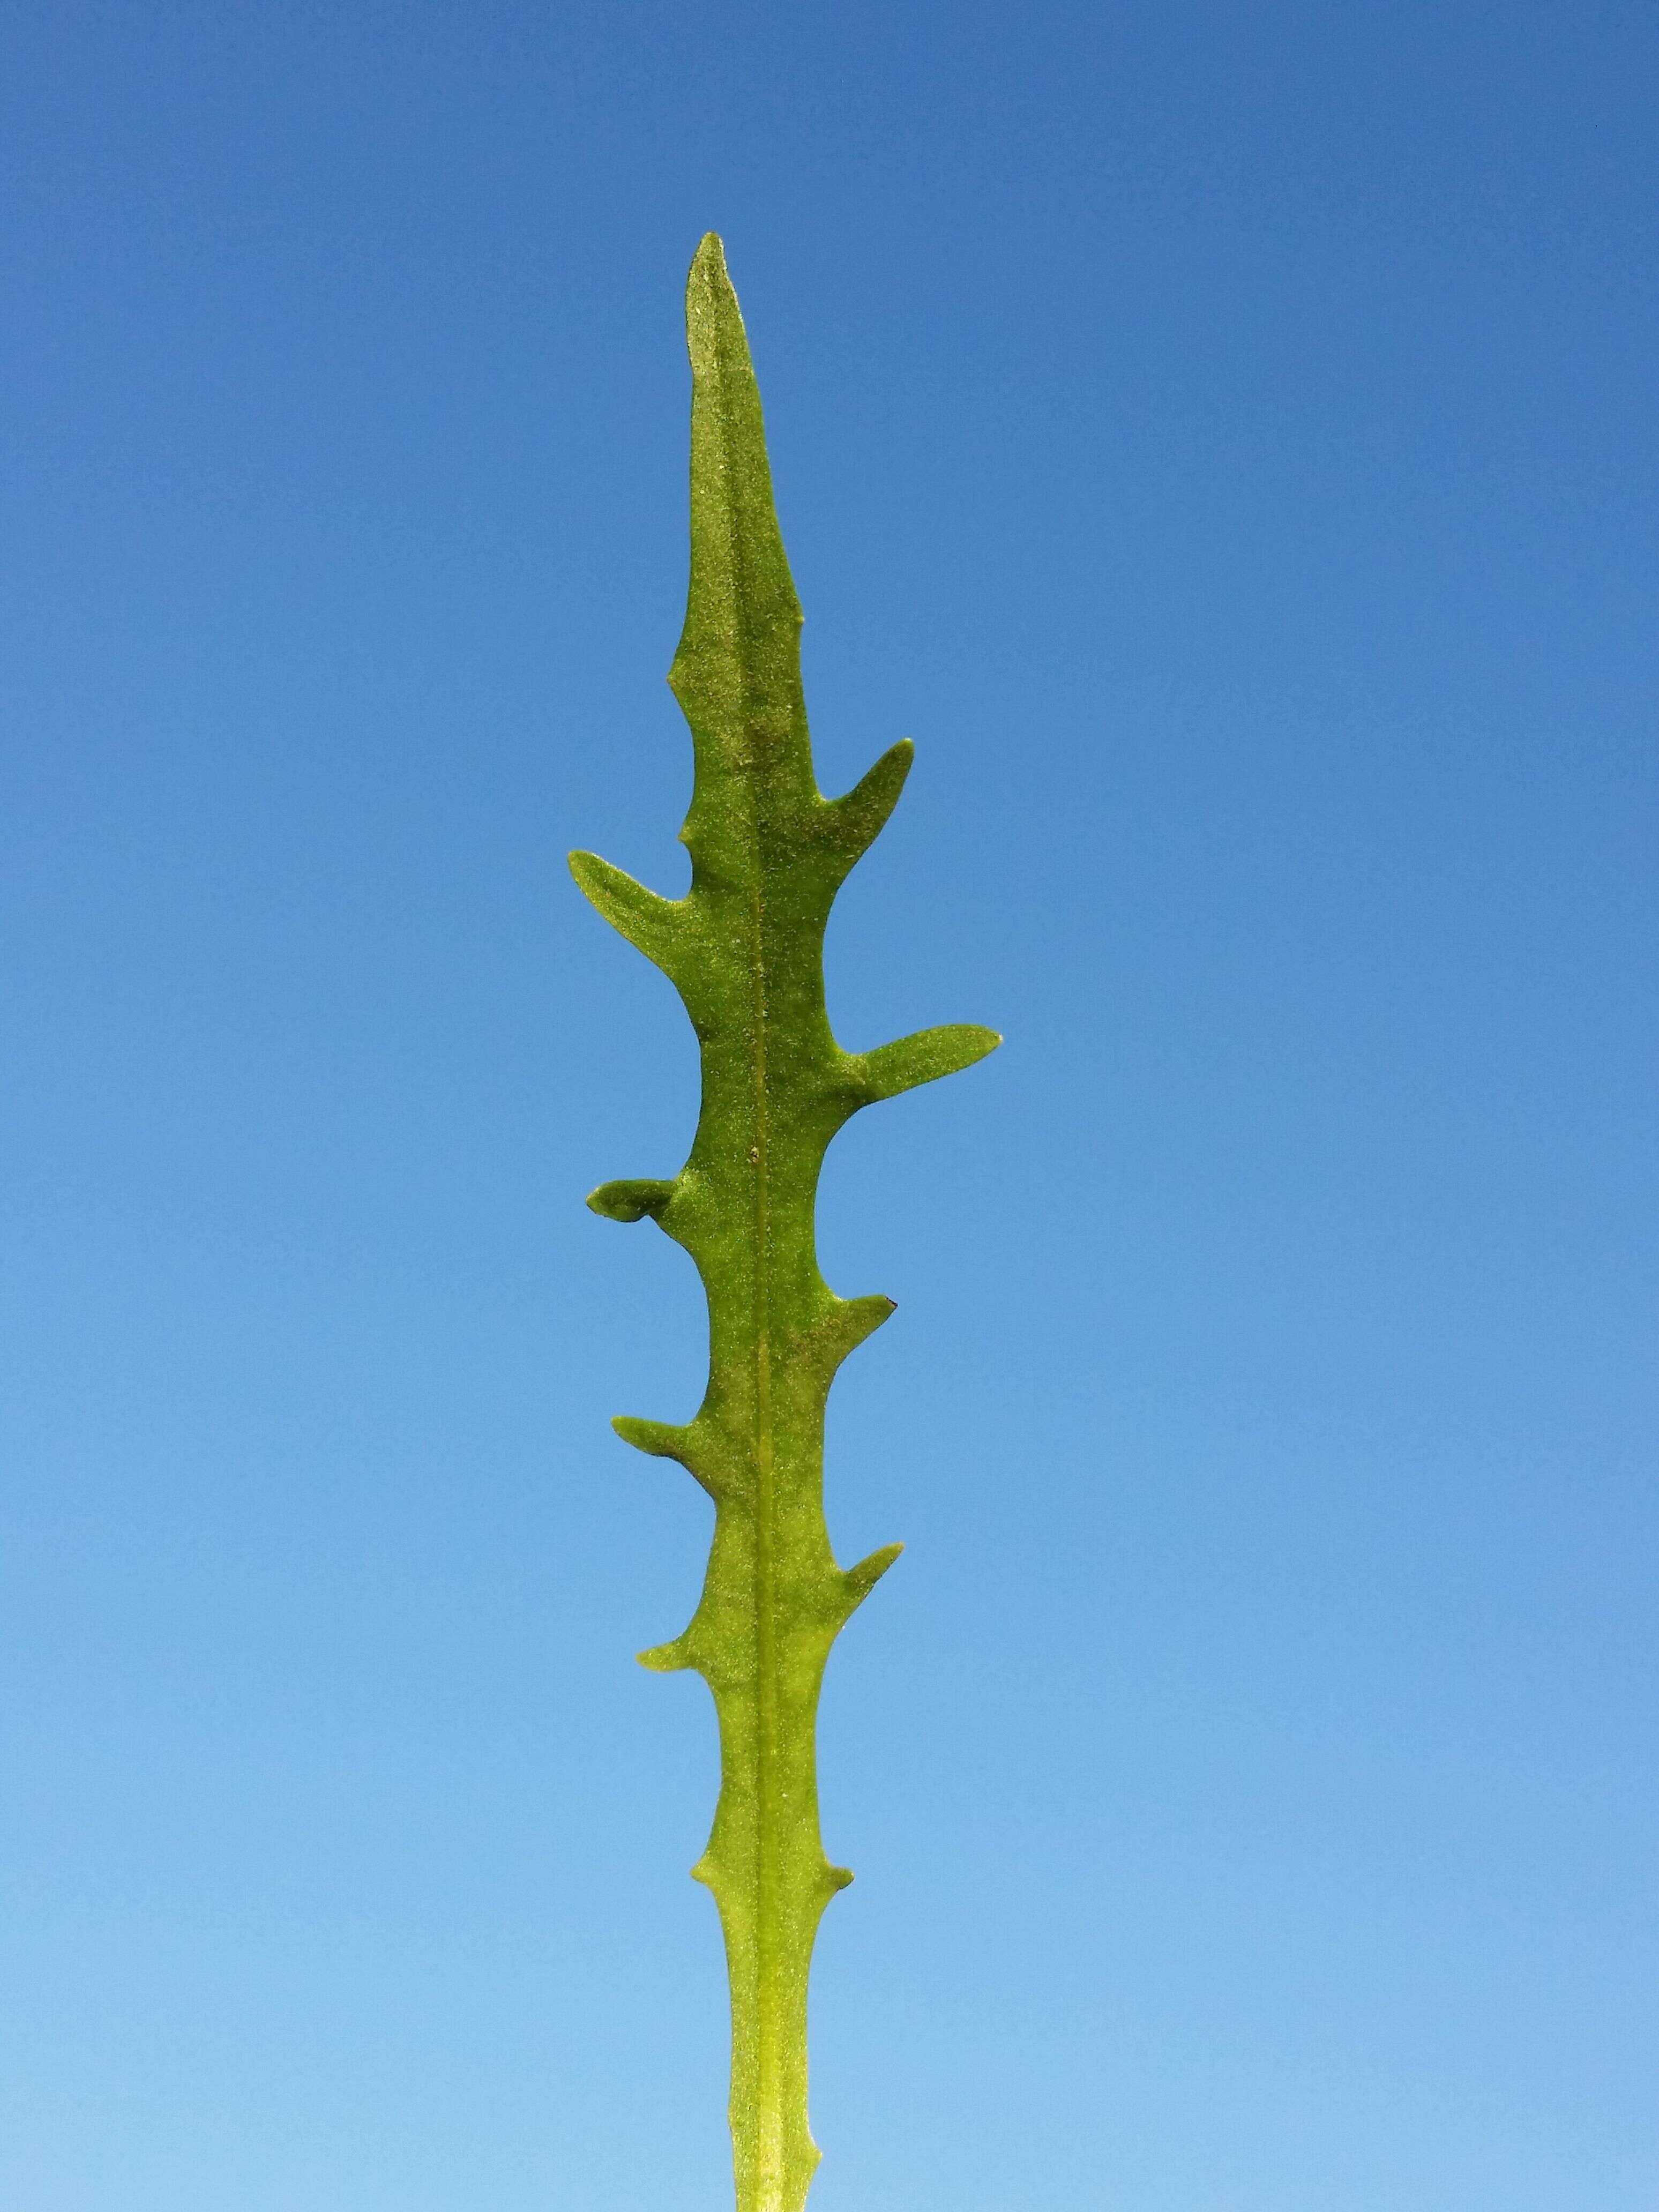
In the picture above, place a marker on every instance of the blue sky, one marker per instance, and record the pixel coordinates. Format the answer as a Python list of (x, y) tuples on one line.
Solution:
[(1222, 438)]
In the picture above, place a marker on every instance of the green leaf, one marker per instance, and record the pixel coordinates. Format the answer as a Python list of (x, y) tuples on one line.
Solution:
[(745, 949)]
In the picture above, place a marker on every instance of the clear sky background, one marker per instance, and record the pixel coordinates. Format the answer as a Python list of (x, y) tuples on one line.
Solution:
[(1223, 438)]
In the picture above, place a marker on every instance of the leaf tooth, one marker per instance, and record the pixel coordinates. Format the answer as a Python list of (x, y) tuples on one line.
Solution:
[(920, 1058), (658, 1439), (656, 926), (852, 823), (630, 1200), (669, 1658), (841, 1327), (858, 1581), (852, 1320), (666, 1440)]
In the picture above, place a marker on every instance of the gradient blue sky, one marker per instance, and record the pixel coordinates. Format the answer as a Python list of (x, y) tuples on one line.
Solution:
[(1223, 438)]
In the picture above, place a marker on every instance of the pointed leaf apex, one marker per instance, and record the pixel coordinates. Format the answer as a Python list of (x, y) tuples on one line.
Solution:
[(737, 667)]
